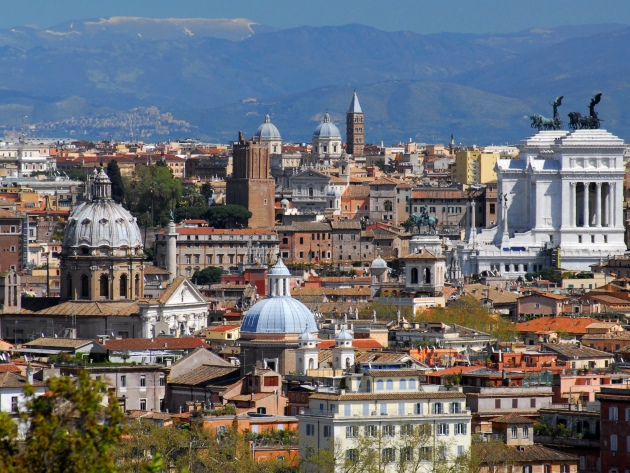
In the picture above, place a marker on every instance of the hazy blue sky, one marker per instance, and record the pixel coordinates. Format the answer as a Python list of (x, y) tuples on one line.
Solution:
[(423, 16)]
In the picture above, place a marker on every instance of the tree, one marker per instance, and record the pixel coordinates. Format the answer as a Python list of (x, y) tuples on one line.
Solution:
[(388, 206), (209, 275), (69, 430), (192, 198), (227, 216), (118, 188), (152, 189), (206, 191)]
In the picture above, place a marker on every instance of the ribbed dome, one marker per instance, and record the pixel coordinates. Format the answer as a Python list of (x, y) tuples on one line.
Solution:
[(268, 130), (101, 222), (307, 336), (343, 335), (327, 129), (279, 315), (279, 269), (379, 263)]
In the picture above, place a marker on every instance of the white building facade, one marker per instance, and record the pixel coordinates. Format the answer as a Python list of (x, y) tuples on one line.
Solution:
[(387, 419), (559, 205)]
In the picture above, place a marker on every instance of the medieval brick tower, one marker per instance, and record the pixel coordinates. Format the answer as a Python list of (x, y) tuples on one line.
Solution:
[(251, 185), (355, 134)]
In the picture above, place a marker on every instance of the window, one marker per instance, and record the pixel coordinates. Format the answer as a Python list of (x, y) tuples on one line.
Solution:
[(389, 455), (14, 403), (536, 305), (442, 429), (389, 431), (162, 404), (438, 408), (564, 468), (425, 453), (327, 431), (456, 408), (514, 403), (143, 404), (379, 385), (123, 381), (407, 430), (389, 385), (613, 443), (162, 380), (352, 431), (310, 430), (406, 454), (532, 402), (352, 455), (461, 429), (613, 413), (527, 469), (143, 381), (418, 408), (371, 430), (525, 432), (514, 432), (497, 403)]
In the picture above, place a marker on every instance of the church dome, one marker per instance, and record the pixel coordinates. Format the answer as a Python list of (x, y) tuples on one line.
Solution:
[(343, 335), (379, 263), (279, 269), (267, 131), (307, 336), (101, 222), (327, 129), (278, 315)]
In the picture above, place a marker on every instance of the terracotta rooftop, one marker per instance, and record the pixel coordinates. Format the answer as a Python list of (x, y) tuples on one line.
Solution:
[(170, 289), (223, 328), (512, 419), (152, 269), (58, 342), (362, 343), (51, 306), (9, 379), (357, 192), (570, 325), (222, 231), (573, 352), (208, 374), (487, 452)]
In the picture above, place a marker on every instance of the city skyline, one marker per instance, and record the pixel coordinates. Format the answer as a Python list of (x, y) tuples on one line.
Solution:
[(490, 16)]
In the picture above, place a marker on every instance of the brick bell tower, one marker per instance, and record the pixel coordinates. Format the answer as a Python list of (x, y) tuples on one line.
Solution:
[(252, 185), (355, 134)]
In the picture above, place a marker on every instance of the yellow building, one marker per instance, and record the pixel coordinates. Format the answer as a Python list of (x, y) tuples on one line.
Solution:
[(475, 167)]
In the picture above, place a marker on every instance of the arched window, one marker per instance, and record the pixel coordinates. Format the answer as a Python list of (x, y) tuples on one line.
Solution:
[(123, 286), (69, 286), (104, 286), (348, 362), (390, 385), (414, 275), (403, 384), (427, 275), (85, 287), (412, 384), (311, 364), (310, 192), (379, 385), (137, 286)]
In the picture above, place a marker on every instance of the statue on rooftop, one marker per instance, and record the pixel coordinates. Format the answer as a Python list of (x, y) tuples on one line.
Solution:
[(543, 123), (590, 122)]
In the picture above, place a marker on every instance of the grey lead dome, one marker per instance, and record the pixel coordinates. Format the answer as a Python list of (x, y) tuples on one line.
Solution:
[(101, 222)]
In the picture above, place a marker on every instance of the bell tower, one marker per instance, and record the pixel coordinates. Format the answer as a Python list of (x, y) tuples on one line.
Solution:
[(355, 134)]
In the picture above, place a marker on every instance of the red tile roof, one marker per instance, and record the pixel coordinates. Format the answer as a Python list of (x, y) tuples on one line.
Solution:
[(362, 343), (568, 325), (221, 231), (223, 328)]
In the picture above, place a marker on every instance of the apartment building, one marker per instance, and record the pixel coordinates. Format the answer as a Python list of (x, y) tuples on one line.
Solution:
[(386, 417)]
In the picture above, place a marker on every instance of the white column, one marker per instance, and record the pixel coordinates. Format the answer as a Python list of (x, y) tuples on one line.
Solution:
[(585, 205), (617, 204), (572, 204), (598, 204)]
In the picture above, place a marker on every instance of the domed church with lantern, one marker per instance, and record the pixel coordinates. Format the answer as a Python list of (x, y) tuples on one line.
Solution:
[(102, 282), (271, 329)]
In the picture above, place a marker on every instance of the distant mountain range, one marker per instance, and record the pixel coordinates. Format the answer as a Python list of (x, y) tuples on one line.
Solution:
[(222, 76)]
